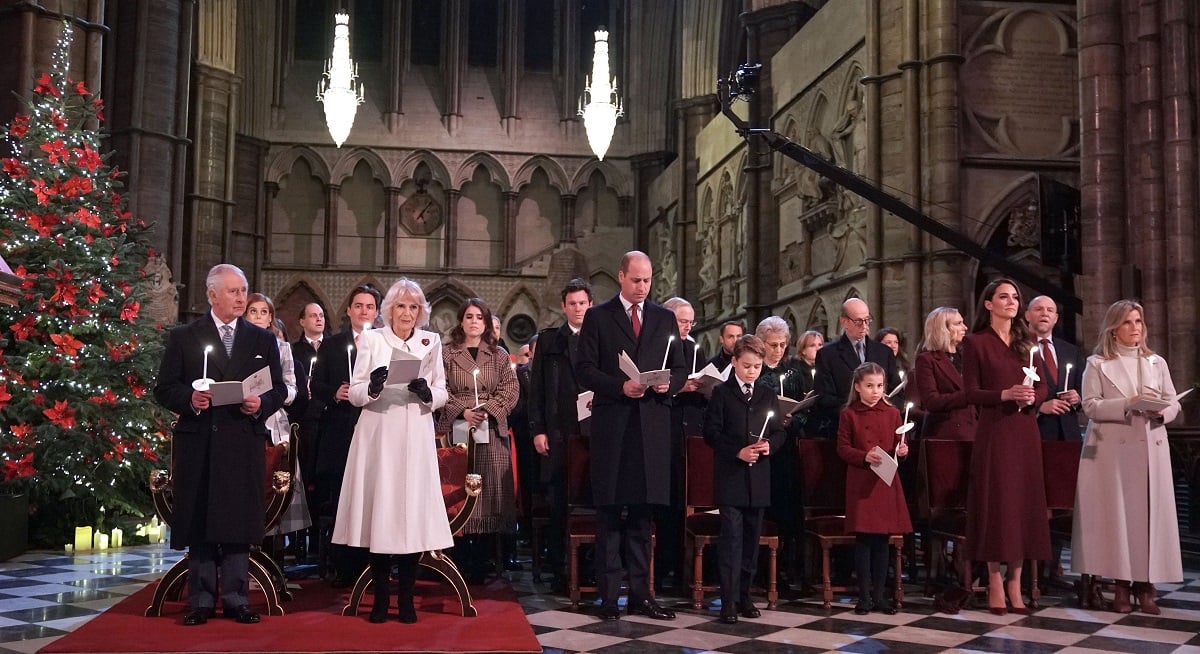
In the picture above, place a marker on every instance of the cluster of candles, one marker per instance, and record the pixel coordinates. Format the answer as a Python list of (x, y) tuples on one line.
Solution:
[(88, 539)]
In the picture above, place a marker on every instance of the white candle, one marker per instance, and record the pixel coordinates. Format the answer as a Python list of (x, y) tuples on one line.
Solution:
[(349, 362), (311, 362), (695, 353), (901, 373), (207, 349), (1067, 382), (667, 353), (781, 376), (118, 537), (69, 548), (1032, 351), (906, 409), (102, 542), (762, 432), (475, 380)]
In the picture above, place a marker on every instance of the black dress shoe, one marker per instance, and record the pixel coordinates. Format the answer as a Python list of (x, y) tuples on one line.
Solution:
[(197, 616), (728, 616), (609, 611), (886, 608), (862, 608), (748, 610), (242, 614), (650, 609)]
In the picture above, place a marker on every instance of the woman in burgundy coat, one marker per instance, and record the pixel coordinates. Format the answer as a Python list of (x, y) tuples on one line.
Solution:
[(939, 380), (1006, 503), (874, 510)]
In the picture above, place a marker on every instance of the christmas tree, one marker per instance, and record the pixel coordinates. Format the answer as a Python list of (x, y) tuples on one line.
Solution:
[(79, 430)]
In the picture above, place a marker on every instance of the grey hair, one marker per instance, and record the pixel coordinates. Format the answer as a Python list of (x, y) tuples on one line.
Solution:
[(674, 303), (405, 288), (773, 325), (220, 270)]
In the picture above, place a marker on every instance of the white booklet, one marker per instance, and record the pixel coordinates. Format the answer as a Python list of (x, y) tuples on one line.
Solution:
[(649, 378), (886, 468), (463, 431), (233, 392), (583, 405), (709, 376), (1150, 402), (404, 367), (785, 405)]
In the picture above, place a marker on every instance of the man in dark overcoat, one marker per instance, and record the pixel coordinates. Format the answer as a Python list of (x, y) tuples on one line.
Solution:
[(835, 364), (631, 453), (330, 385), (219, 466), (553, 391)]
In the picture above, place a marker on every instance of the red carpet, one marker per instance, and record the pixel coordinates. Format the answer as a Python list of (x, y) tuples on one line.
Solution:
[(313, 623)]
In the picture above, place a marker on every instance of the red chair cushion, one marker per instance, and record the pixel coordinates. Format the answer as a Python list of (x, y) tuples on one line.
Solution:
[(452, 471)]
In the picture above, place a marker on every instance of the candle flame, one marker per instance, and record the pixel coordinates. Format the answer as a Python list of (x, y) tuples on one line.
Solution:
[(475, 372), (909, 405), (901, 374), (207, 349), (1033, 349), (770, 414)]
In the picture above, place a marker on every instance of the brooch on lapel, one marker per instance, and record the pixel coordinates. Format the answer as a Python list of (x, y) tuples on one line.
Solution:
[(424, 341)]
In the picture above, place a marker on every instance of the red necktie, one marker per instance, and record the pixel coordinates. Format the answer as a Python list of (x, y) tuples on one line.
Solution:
[(637, 322), (1048, 357)]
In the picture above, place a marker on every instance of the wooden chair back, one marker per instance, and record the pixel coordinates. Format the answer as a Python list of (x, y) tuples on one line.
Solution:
[(822, 478), (1060, 469)]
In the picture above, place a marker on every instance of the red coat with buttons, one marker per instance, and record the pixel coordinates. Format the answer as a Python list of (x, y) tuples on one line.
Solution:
[(872, 507)]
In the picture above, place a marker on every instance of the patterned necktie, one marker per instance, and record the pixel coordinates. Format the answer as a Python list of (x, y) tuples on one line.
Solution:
[(860, 348), (637, 322), (227, 339), (1048, 357), (316, 345), (748, 391)]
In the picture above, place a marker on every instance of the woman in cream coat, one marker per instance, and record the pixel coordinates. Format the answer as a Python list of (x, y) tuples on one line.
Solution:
[(1125, 467), (391, 487)]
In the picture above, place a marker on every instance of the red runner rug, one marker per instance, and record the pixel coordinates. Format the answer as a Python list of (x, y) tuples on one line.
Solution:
[(313, 623)]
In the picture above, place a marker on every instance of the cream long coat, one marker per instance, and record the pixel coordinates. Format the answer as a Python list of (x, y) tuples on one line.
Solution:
[(391, 501), (1125, 526)]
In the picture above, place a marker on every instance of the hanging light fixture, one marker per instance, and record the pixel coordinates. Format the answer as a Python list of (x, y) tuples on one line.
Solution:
[(600, 106), (337, 88)]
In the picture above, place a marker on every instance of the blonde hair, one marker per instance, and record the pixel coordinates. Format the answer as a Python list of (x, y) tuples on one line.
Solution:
[(405, 288), (1106, 345), (868, 368), (937, 330)]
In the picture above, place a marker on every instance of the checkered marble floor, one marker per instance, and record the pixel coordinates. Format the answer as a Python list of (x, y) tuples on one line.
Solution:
[(44, 595)]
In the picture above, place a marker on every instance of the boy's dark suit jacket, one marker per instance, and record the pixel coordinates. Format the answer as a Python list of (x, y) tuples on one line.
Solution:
[(835, 364), (728, 424), (605, 333), (219, 468)]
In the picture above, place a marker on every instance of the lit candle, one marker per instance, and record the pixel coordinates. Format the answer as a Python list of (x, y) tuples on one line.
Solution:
[(311, 362), (83, 539), (101, 541), (667, 354), (1067, 382), (69, 548), (762, 432), (117, 538), (349, 362), (207, 349), (906, 409), (695, 353), (1032, 351), (475, 380)]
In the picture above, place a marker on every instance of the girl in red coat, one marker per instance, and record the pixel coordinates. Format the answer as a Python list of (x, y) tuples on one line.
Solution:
[(874, 510)]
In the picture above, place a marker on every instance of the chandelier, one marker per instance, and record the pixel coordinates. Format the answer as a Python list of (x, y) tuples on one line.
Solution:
[(337, 88), (599, 105)]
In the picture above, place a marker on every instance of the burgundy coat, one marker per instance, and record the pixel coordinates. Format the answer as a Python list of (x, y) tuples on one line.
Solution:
[(872, 507), (1006, 502), (940, 391)]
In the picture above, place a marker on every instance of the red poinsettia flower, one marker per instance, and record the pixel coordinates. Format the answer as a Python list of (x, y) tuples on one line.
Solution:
[(67, 344), (60, 123), (21, 433), (88, 158), (61, 415), (138, 389), (15, 169), (22, 467), (95, 292), (5, 396), (98, 106), (23, 328), (74, 187), (43, 194), (46, 85), (87, 217), (20, 126), (64, 291), (129, 312), (80, 89), (108, 398), (56, 150)]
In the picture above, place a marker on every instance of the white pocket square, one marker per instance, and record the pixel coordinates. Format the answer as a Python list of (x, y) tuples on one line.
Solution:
[(257, 356)]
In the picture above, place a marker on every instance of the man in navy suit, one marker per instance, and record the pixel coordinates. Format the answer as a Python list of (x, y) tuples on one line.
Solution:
[(835, 364), (219, 467), (631, 446), (1058, 416)]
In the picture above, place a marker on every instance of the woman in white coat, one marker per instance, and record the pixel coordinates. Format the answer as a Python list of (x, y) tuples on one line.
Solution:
[(1125, 523), (391, 479)]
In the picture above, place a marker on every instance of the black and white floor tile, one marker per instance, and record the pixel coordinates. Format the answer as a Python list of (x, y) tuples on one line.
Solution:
[(44, 595)]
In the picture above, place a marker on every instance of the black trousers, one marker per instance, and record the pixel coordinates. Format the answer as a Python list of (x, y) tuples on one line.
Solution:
[(632, 537), (225, 566), (737, 552)]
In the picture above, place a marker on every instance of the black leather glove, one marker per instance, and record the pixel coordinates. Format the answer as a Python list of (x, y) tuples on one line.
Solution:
[(378, 377), (420, 388)]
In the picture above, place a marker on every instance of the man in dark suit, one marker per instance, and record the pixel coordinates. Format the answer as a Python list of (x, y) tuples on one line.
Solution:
[(631, 455), (731, 331), (836, 362), (552, 415), (330, 385), (219, 467), (305, 410), (1058, 416)]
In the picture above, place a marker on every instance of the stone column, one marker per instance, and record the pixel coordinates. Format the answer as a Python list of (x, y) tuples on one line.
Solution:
[(1102, 154), (333, 193), (567, 231), (568, 65), (910, 66), (391, 225), (31, 31), (514, 40), (691, 115), (395, 39), (510, 229), (873, 169), (451, 230), (1146, 166), (454, 62), (945, 281), (272, 191)]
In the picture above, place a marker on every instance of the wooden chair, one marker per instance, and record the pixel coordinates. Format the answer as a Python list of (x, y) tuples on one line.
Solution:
[(581, 516), (281, 460), (460, 492), (946, 469), (823, 493), (1060, 470), (702, 528)]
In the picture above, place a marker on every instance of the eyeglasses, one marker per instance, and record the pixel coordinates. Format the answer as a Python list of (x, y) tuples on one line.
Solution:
[(685, 322), (859, 322)]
